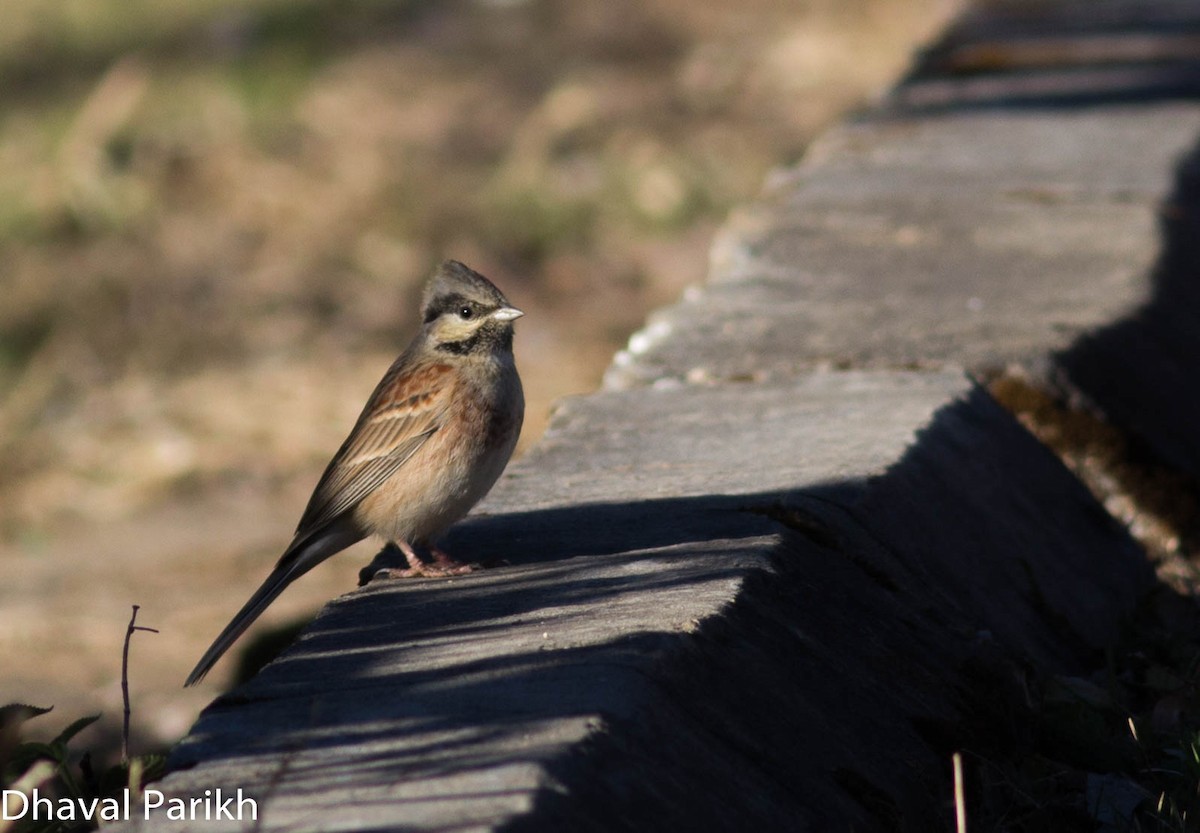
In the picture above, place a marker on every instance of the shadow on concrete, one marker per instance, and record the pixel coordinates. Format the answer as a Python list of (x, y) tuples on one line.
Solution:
[(1143, 371), (898, 620)]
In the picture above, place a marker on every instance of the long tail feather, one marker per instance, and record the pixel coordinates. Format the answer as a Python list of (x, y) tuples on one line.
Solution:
[(299, 558)]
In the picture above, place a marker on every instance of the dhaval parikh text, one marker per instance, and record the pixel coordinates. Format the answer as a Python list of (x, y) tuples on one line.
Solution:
[(213, 805)]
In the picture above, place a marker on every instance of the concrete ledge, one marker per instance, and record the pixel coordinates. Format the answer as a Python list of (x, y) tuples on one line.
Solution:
[(891, 547), (981, 239), (830, 694)]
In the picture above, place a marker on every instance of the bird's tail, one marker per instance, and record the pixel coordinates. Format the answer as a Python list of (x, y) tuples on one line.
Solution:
[(303, 554)]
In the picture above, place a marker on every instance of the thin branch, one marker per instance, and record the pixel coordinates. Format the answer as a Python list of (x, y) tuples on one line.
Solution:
[(133, 626), (960, 803)]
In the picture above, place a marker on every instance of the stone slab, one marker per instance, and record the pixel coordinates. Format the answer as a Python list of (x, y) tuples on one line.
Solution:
[(703, 581), (975, 238)]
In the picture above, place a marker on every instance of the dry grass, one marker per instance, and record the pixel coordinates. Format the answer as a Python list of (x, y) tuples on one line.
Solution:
[(1156, 504)]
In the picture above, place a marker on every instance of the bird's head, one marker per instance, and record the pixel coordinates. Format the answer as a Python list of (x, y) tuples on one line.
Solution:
[(464, 312)]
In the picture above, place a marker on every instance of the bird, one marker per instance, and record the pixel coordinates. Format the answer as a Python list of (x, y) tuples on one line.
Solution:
[(431, 441)]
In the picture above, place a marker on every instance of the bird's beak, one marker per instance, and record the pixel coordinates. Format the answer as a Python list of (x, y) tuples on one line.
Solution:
[(507, 314)]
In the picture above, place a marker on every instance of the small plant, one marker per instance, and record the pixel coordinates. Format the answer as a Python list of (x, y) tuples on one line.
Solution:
[(56, 772)]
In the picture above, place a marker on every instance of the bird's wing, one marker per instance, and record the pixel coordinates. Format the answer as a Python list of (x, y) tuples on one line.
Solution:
[(408, 406)]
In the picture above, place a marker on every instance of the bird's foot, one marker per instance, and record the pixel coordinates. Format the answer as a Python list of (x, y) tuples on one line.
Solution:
[(443, 565), (423, 571)]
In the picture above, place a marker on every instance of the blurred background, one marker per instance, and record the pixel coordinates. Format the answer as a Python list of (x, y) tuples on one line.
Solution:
[(215, 219)]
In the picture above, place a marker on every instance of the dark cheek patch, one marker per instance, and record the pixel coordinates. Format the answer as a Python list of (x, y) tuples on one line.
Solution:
[(459, 348)]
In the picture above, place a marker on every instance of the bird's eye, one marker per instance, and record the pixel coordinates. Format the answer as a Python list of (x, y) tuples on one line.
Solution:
[(466, 313)]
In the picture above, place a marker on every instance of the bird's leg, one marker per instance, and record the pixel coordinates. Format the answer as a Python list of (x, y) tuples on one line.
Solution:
[(443, 565), (415, 564)]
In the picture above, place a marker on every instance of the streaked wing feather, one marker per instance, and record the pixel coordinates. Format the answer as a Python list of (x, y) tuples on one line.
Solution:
[(398, 419), (363, 479)]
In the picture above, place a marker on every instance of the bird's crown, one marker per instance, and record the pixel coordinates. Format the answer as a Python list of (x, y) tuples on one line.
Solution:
[(454, 279)]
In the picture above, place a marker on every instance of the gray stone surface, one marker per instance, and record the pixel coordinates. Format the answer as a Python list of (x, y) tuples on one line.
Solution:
[(792, 557), (977, 238), (651, 623)]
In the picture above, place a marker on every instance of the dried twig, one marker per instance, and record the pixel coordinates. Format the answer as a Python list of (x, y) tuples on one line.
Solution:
[(960, 803), (133, 626)]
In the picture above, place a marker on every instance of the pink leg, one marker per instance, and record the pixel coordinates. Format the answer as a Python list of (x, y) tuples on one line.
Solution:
[(443, 565)]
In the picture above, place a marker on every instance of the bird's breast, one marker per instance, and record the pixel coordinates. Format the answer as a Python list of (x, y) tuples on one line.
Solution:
[(455, 467)]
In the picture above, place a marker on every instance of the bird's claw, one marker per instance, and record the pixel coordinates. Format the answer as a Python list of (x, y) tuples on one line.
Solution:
[(423, 571)]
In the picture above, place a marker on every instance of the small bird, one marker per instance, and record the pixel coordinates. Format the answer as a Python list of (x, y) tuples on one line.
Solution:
[(432, 440)]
